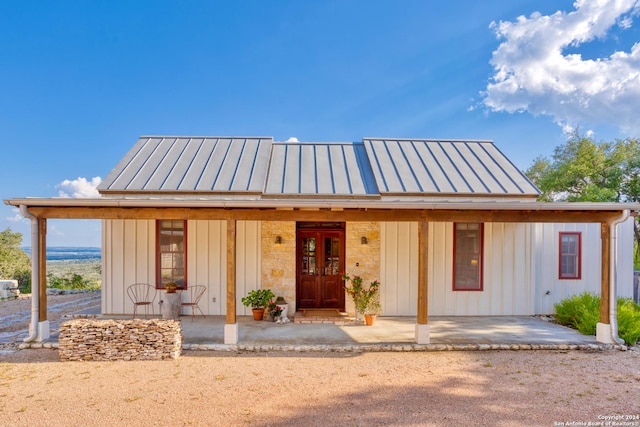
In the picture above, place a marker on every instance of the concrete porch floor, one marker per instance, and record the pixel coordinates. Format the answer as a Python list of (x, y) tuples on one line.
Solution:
[(502, 330)]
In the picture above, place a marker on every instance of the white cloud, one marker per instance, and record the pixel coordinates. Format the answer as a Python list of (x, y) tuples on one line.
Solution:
[(533, 74), (79, 187), (16, 217)]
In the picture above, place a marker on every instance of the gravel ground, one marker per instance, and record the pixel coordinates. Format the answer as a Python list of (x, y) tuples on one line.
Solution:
[(488, 388)]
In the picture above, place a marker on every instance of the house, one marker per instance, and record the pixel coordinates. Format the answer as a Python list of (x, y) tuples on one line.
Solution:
[(449, 227)]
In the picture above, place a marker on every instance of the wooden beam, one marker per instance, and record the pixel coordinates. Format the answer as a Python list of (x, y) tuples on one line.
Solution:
[(605, 235), (231, 272), (326, 215), (423, 270), (42, 269)]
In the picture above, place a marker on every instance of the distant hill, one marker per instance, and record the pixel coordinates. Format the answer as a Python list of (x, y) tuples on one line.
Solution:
[(70, 253)]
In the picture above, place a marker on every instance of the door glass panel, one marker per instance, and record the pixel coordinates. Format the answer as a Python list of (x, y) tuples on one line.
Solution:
[(309, 256), (331, 256)]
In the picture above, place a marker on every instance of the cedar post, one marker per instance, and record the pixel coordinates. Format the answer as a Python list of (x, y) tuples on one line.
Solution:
[(423, 267), (231, 271), (42, 269), (605, 234)]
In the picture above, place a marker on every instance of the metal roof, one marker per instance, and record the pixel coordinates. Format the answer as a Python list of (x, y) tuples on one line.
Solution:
[(418, 166), (258, 167), (191, 164), (319, 169)]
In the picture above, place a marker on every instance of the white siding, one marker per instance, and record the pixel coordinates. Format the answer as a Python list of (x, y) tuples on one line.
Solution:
[(546, 263), (507, 285), (129, 257), (399, 268)]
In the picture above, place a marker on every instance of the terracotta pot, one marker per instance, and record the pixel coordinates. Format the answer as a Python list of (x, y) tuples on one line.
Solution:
[(258, 313), (369, 319)]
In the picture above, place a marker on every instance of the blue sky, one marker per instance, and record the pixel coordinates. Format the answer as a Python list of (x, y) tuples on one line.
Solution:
[(81, 80)]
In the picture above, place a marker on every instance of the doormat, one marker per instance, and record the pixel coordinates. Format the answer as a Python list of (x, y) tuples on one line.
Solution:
[(321, 312)]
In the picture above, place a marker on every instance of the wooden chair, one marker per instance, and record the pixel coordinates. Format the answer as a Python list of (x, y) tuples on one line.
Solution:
[(195, 293), (142, 294)]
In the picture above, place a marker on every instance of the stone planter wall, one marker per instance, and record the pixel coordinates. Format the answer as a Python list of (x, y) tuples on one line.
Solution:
[(136, 339)]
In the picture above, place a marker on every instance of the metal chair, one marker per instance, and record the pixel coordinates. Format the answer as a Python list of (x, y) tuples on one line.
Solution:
[(142, 294), (195, 293)]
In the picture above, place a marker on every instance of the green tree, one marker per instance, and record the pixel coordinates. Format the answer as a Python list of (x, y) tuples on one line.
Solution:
[(582, 170), (14, 262)]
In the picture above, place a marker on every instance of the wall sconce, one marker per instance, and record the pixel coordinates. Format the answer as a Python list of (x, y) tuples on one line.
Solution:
[(278, 240), (363, 240)]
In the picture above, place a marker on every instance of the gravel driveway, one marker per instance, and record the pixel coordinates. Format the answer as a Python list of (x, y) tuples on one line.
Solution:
[(485, 388)]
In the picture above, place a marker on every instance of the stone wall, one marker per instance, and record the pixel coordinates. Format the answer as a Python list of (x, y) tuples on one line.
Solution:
[(279, 260), (362, 259), (136, 339)]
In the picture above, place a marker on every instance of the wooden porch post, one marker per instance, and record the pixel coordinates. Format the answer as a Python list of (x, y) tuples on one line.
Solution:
[(231, 326), (605, 234), (422, 327), (42, 269)]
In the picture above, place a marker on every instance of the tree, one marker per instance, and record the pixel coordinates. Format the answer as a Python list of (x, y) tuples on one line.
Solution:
[(14, 262), (582, 170)]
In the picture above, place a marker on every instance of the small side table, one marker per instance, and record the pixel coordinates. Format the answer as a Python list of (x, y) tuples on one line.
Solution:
[(171, 305)]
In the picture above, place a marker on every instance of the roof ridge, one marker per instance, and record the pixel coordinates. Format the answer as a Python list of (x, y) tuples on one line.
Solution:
[(206, 136), (489, 141)]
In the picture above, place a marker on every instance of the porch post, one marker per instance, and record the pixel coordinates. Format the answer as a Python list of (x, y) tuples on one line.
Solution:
[(231, 326), (43, 331), (42, 269), (422, 327), (603, 328)]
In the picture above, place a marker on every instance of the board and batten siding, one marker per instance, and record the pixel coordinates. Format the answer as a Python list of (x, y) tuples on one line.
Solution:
[(130, 251), (550, 289), (508, 286)]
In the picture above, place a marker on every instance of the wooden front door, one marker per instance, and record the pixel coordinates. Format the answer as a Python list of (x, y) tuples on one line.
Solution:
[(319, 266)]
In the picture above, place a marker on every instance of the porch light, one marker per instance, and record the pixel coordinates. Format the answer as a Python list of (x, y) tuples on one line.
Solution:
[(278, 240), (363, 240)]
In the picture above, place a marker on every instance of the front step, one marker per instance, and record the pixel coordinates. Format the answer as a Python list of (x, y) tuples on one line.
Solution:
[(333, 317)]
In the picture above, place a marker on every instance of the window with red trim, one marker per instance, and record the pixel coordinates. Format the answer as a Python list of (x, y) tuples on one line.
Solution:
[(570, 262), (468, 243), (171, 251)]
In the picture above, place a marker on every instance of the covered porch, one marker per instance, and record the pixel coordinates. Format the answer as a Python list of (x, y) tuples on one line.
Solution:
[(421, 327), (388, 333)]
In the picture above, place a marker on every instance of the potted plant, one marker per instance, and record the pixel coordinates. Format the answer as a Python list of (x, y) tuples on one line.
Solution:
[(258, 300), (365, 299), (275, 311), (171, 287)]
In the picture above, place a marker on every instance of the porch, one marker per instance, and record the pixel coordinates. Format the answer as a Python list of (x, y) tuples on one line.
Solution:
[(388, 333), (396, 332)]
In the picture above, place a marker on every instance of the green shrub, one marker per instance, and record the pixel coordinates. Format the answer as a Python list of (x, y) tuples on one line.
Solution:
[(580, 311), (628, 320), (583, 313), (71, 281)]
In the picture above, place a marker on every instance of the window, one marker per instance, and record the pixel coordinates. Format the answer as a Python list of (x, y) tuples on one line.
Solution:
[(171, 250), (468, 241), (570, 255)]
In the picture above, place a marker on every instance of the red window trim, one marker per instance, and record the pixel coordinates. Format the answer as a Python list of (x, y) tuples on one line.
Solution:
[(481, 261), (578, 255), (159, 284)]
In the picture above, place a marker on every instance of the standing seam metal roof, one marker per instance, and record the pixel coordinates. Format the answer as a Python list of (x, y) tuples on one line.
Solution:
[(372, 168), (411, 166)]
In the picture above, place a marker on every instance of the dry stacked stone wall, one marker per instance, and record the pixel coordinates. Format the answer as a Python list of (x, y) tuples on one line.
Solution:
[(136, 339)]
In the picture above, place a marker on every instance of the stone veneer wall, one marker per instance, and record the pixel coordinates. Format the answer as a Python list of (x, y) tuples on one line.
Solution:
[(279, 260), (362, 260), (104, 340)]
